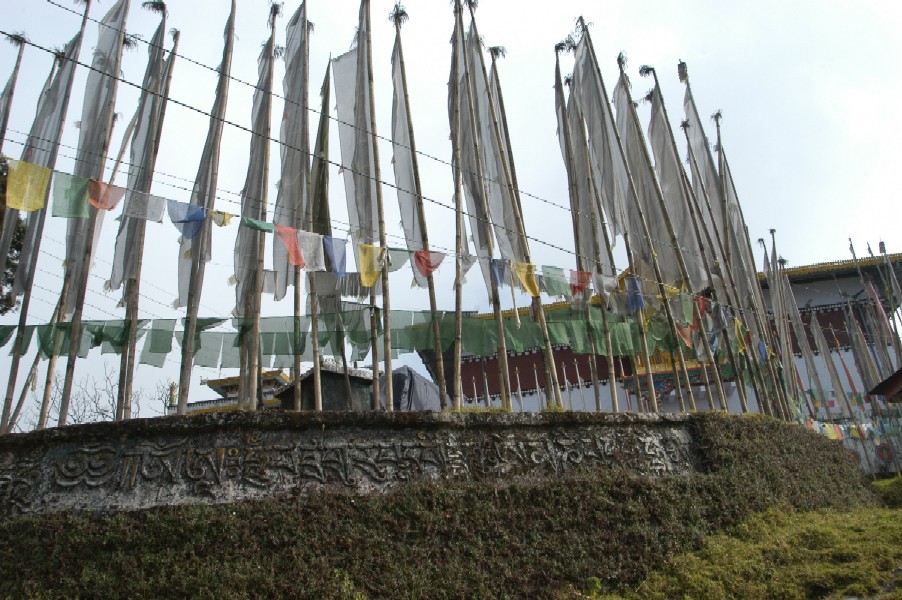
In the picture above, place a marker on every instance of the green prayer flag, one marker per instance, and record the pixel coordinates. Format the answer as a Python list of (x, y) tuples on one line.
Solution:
[(258, 225), (397, 258), (70, 196), (158, 343), (6, 332)]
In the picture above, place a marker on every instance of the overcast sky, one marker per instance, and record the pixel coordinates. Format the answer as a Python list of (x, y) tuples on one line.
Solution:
[(807, 90)]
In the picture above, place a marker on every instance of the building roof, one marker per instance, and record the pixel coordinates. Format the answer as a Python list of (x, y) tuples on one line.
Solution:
[(837, 268)]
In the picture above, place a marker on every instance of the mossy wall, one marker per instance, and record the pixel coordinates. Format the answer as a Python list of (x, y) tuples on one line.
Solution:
[(486, 537)]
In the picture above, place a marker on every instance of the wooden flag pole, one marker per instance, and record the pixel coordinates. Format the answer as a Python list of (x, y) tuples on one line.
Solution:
[(552, 386), (626, 238), (386, 299), (688, 192), (621, 63), (199, 243), (133, 285), (726, 273), (82, 283), (17, 349), (306, 221), (398, 16), (575, 204), (17, 40), (503, 375), (254, 383)]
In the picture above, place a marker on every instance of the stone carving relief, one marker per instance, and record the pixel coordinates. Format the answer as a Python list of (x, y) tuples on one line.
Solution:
[(232, 465)]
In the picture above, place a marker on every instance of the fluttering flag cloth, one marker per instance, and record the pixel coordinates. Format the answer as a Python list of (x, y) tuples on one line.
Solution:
[(70, 196), (258, 225), (336, 250), (289, 237), (498, 267), (26, 188), (139, 205), (371, 258), (311, 245), (579, 281), (427, 262), (526, 274), (187, 218), (684, 333), (740, 337), (555, 282), (104, 196), (221, 218), (634, 299), (397, 258)]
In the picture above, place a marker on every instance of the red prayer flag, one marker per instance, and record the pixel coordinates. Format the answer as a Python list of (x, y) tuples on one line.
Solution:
[(427, 262), (289, 237), (579, 281), (104, 196)]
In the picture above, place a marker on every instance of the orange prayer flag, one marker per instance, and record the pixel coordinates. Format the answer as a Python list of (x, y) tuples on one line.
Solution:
[(104, 196)]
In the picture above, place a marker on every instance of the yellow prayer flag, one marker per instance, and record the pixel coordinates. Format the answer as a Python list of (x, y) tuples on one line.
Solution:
[(26, 188), (526, 272), (370, 264), (740, 337), (221, 218)]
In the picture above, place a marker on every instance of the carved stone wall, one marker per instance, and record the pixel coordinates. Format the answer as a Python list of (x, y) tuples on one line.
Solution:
[(231, 456)]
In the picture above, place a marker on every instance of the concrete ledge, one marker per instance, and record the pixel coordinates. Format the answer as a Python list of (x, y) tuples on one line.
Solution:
[(225, 457)]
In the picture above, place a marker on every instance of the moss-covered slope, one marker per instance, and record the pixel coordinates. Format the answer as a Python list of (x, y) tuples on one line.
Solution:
[(434, 540)]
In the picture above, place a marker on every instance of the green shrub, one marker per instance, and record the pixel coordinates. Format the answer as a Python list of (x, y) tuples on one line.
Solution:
[(476, 539)]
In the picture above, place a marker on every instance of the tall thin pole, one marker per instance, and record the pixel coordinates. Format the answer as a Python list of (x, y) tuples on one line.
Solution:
[(730, 284), (254, 383), (19, 41), (377, 174), (483, 215), (199, 243), (575, 205), (33, 258), (673, 241), (500, 123), (421, 214), (456, 384), (626, 237), (84, 273), (133, 286), (306, 221), (687, 192)]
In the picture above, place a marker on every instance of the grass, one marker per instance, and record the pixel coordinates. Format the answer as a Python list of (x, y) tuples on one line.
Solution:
[(889, 491), (786, 554)]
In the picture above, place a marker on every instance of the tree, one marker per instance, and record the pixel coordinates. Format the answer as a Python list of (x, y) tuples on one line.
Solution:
[(93, 399), (8, 301)]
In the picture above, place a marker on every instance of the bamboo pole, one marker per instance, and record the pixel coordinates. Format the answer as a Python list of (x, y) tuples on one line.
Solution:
[(507, 160), (780, 403), (254, 383), (18, 41), (626, 238), (305, 220), (503, 374), (688, 192), (133, 285), (26, 298), (421, 213), (82, 283), (199, 243), (726, 271), (566, 135), (386, 299), (673, 241), (454, 90)]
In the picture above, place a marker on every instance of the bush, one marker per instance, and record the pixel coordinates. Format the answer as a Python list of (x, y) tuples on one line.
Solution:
[(477, 539)]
